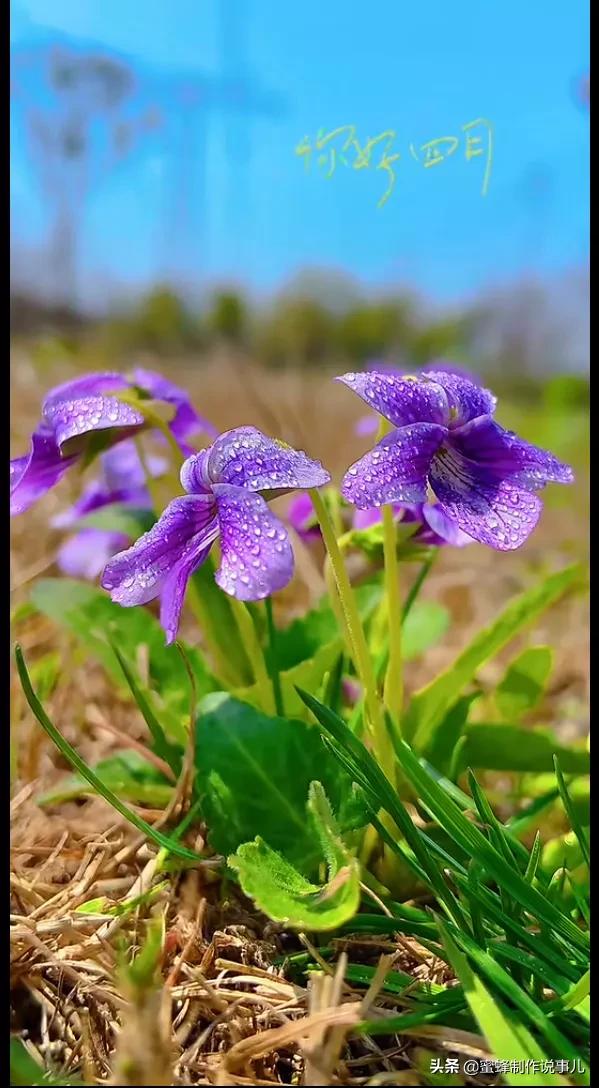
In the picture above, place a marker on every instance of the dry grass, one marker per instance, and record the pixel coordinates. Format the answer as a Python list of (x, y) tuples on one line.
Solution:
[(223, 1011)]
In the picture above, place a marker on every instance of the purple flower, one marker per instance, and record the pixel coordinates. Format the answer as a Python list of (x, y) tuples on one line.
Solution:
[(368, 425), (72, 413), (301, 515), (445, 438), (435, 527), (122, 480), (224, 486)]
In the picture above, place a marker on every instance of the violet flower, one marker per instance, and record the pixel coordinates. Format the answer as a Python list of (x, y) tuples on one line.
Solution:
[(301, 515), (224, 486), (435, 528), (74, 412), (445, 438), (122, 480), (368, 425)]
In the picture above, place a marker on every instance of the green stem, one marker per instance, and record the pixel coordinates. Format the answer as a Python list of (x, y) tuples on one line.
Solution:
[(201, 611), (150, 481), (254, 652), (393, 689), (154, 418), (335, 507), (274, 668), (360, 653), (418, 582)]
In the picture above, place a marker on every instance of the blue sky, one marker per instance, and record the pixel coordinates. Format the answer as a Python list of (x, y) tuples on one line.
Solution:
[(423, 71)]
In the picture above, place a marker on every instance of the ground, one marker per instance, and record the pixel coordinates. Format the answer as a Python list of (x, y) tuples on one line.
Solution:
[(238, 1017)]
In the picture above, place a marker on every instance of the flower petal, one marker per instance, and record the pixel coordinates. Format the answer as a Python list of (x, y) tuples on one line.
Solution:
[(366, 426), (449, 368), (85, 554), (93, 497), (122, 469), (401, 400), (444, 528), (72, 418), (244, 457), (173, 591), (301, 515), (497, 512), (31, 476), (90, 385), (181, 534), (257, 558), (504, 453), (194, 474), (395, 470), (466, 399)]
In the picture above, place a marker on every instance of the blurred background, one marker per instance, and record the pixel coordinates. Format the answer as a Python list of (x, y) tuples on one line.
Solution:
[(181, 196), (251, 196)]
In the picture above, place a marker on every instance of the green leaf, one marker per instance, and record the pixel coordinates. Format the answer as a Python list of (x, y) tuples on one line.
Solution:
[(524, 682), (443, 751), (515, 748), (216, 611), (45, 673), (91, 616), (309, 673), (118, 517), (284, 894), (253, 774), (127, 774), (578, 996), (308, 649), (429, 705), (370, 542), (24, 1070), (507, 1037), (425, 624), (562, 850), (302, 639)]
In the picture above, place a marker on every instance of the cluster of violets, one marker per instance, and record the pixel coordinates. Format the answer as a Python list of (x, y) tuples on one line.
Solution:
[(445, 465)]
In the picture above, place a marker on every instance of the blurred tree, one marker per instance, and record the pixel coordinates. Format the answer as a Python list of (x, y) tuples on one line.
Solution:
[(446, 338), (370, 330), (164, 324), (297, 332), (76, 133), (227, 317)]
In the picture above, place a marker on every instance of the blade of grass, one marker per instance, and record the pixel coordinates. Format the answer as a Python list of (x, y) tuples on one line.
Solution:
[(571, 813), (170, 753), (533, 860), (534, 1013), (86, 772), (471, 839), (366, 771), (508, 1040)]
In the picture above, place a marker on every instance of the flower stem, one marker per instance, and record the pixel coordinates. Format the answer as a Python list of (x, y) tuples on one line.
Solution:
[(418, 582), (150, 481), (359, 647), (201, 610), (274, 668), (155, 420), (254, 652), (393, 690)]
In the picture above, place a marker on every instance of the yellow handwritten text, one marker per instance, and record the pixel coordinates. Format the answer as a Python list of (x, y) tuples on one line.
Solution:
[(338, 146)]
